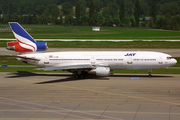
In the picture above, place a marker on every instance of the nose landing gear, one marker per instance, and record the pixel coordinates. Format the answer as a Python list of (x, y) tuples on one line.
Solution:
[(149, 73)]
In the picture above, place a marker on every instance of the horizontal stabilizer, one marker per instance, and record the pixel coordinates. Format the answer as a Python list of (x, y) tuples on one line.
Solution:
[(27, 58)]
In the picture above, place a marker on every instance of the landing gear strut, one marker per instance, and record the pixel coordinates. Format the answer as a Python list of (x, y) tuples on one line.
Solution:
[(149, 73), (80, 74)]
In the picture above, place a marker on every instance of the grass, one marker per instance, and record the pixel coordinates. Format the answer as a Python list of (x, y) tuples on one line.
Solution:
[(178, 62), (134, 44), (59, 32), (8, 60)]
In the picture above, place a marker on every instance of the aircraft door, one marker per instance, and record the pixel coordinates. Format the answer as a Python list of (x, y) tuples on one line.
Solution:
[(129, 63), (46, 60), (93, 60), (160, 61)]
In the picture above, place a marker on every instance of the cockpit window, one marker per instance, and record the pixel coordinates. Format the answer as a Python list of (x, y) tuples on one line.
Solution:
[(168, 58)]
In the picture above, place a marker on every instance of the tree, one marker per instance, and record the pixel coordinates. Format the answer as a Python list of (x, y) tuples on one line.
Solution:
[(172, 8), (1, 15), (107, 20), (69, 20), (153, 9), (1, 9), (143, 24), (82, 4), (77, 13), (132, 22), (10, 8), (91, 9), (15, 17), (67, 8), (91, 13), (40, 9), (126, 22), (105, 11), (53, 12), (144, 8), (122, 10), (129, 8), (137, 12), (84, 20), (42, 19), (100, 21), (94, 20), (34, 20), (113, 9), (167, 22), (160, 23), (151, 22), (176, 23), (61, 19), (98, 4)]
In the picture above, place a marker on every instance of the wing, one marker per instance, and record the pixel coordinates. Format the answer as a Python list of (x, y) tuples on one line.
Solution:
[(75, 66)]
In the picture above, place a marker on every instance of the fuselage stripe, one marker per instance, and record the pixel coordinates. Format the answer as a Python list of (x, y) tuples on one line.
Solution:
[(26, 44)]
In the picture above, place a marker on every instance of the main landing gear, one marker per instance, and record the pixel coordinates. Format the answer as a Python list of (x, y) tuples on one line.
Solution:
[(80, 74), (149, 73)]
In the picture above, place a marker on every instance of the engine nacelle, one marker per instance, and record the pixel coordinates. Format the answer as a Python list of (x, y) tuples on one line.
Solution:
[(101, 71), (41, 46)]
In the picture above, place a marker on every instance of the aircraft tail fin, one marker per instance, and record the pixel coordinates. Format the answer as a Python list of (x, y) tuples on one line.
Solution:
[(25, 43)]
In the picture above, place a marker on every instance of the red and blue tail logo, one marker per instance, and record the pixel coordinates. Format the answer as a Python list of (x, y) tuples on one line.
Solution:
[(25, 43)]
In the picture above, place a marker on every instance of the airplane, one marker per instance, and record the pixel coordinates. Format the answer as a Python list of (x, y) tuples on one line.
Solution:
[(81, 63)]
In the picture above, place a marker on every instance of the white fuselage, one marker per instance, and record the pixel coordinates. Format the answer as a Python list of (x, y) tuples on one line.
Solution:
[(130, 60)]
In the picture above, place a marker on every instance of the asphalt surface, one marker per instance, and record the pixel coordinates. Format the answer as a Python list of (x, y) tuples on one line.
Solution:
[(50, 96)]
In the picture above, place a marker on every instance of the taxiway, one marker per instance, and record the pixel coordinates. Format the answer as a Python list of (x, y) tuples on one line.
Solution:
[(51, 96)]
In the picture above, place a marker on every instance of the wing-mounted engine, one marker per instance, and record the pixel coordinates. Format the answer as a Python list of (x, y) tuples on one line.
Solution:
[(25, 47), (101, 71)]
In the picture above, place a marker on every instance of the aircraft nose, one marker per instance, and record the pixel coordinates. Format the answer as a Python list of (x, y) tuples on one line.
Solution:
[(174, 61)]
